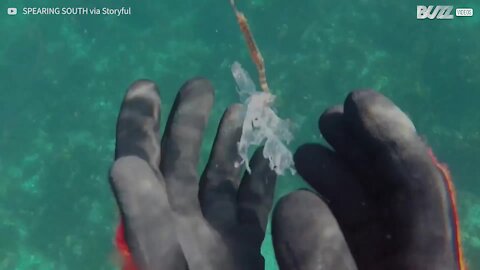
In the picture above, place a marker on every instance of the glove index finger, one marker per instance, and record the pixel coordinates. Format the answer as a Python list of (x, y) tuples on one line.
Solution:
[(255, 194), (220, 179), (377, 121), (181, 143), (410, 189)]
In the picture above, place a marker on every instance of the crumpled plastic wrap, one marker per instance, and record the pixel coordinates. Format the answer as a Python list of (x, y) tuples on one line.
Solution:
[(261, 125)]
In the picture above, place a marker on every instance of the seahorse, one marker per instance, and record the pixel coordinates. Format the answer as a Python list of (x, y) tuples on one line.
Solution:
[(252, 47)]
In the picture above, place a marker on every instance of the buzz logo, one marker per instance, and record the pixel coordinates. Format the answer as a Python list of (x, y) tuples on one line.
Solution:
[(434, 12)]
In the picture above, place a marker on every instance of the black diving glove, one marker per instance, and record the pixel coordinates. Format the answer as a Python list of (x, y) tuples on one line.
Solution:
[(170, 218), (384, 201)]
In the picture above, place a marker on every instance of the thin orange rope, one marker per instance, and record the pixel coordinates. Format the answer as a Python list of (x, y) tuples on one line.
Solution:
[(453, 202)]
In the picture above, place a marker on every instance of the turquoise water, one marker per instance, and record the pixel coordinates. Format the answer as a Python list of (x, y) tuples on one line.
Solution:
[(63, 78)]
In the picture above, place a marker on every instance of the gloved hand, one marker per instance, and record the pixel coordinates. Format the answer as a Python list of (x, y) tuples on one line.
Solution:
[(384, 200), (170, 219)]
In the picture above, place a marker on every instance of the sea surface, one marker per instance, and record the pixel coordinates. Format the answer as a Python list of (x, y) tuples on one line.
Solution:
[(62, 79)]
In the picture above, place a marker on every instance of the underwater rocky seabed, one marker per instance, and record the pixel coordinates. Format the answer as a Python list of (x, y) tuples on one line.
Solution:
[(63, 79)]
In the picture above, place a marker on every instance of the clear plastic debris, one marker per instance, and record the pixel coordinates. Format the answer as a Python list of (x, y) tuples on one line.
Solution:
[(261, 126)]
